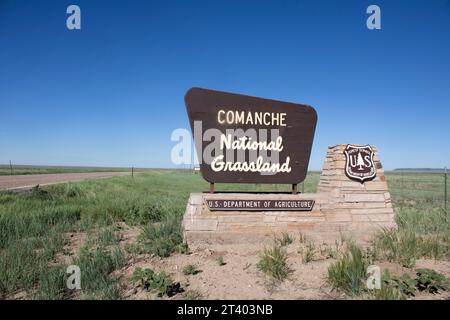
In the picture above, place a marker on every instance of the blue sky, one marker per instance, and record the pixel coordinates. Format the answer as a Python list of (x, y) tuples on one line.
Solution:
[(111, 93)]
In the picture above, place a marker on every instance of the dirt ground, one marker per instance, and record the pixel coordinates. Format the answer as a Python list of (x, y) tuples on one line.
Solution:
[(239, 278), (13, 182)]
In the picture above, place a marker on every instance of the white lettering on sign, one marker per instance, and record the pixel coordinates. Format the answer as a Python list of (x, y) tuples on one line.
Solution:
[(262, 205), (253, 166), (251, 118), (228, 142), (246, 143)]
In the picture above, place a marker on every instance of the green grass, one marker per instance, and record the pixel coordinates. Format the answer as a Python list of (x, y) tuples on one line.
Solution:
[(308, 251), (162, 239), (106, 236), (348, 273), (190, 269), (423, 232), (96, 266), (417, 190), (151, 281), (273, 263), (34, 227), (284, 239), (431, 281)]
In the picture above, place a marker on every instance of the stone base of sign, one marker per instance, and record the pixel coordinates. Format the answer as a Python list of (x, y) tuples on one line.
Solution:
[(342, 207)]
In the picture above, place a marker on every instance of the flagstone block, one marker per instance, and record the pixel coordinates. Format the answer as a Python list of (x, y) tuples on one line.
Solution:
[(342, 206)]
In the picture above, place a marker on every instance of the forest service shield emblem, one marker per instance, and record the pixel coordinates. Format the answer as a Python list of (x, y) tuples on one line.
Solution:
[(359, 163)]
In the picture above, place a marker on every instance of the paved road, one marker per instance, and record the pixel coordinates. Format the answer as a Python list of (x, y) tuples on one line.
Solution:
[(27, 181)]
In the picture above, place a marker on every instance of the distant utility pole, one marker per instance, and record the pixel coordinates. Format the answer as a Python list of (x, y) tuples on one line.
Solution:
[(10, 167)]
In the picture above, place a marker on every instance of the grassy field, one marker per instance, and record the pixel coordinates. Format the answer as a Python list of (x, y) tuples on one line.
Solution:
[(37, 228), (5, 169), (425, 189)]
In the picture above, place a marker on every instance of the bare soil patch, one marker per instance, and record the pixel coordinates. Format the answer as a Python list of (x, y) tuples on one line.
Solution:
[(239, 278)]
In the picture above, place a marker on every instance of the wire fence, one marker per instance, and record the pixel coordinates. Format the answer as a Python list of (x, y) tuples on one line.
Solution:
[(421, 189)]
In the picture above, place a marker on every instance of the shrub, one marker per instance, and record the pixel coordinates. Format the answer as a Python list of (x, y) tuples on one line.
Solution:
[(398, 246), (385, 293), (308, 252), (52, 284), (64, 191), (348, 273), (400, 288), (405, 284), (434, 247), (273, 263), (405, 246), (328, 252), (107, 236), (96, 267), (301, 238), (151, 281), (182, 248), (431, 281), (153, 212), (141, 215), (162, 239), (192, 295), (190, 269), (38, 193), (133, 248), (283, 240), (396, 288), (220, 261)]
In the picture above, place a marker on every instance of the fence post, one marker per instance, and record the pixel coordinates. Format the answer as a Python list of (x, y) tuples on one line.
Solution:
[(445, 189), (10, 167), (401, 179), (132, 172)]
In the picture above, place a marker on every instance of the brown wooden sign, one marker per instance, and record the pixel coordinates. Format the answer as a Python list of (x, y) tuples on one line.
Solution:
[(259, 205), (244, 139)]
